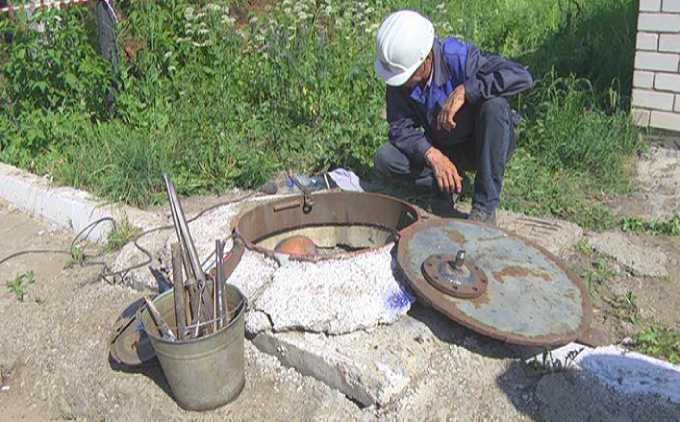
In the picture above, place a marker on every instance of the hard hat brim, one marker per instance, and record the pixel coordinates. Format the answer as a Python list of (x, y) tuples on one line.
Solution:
[(393, 78)]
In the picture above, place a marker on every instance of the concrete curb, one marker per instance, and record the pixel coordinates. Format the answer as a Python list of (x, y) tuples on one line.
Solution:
[(65, 207)]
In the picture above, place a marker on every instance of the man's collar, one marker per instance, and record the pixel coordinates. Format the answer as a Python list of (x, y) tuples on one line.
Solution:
[(438, 76), (439, 68), (429, 80)]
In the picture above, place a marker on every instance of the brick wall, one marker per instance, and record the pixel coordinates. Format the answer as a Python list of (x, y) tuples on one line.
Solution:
[(656, 79)]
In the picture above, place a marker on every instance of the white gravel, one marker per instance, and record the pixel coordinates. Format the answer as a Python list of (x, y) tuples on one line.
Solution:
[(336, 296)]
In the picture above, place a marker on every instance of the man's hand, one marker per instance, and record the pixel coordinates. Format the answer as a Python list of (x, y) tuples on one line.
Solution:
[(451, 107), (445, 172)]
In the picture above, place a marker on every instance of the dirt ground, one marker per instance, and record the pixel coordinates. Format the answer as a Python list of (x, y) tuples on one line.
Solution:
[(624, 303), (54, 352), (656, 195), (55, 349)]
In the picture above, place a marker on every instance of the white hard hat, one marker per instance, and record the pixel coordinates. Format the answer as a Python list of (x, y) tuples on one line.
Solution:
[(403, 42)]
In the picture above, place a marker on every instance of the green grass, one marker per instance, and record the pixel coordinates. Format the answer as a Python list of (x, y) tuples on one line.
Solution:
[(20, 283), (624, 308), (669, 226), (660, 342), (218, 105), (122, 233), (597, 274)]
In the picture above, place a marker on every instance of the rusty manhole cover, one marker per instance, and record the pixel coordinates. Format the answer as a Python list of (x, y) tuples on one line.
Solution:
[(329, 225), (530, 298)]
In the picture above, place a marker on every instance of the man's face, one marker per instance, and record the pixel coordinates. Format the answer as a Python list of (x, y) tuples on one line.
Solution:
[(422, 74)]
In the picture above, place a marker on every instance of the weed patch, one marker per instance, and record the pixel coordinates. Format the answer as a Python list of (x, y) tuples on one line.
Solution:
[(20, 283), (597, 274), (122, 233), (624, 308), (668, 227), (659, 342)]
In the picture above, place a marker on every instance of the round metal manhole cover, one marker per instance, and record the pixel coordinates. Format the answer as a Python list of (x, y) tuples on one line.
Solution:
[(530, 298)]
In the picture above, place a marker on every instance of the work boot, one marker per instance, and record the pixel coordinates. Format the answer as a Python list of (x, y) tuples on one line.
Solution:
[(480, 216), (443, 204)]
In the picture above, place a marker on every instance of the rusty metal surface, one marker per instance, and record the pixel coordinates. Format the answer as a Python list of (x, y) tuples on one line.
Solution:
[(129, 344), (466, 281), (531, 299), (328, 209)]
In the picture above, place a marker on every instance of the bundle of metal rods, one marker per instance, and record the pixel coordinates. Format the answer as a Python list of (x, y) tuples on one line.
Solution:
[(201, 306)]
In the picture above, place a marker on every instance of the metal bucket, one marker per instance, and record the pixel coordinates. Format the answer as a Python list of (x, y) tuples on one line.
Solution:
[(203, 373)]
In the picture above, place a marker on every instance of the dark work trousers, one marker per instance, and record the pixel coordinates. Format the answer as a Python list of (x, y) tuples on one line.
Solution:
[(483, 141)]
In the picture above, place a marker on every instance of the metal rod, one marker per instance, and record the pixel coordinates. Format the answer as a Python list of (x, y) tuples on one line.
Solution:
[(460, 259), (204, 323), (187, 306), (190, 282), (184, 235), (178, 282), (219, 281), (214, 303), (198, 321), (163, 327)]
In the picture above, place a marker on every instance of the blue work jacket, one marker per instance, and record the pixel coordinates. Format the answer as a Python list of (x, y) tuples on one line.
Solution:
[(412, 112)]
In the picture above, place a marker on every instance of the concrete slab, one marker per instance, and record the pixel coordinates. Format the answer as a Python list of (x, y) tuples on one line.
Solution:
[(558, 359), (372, 367), (556, 236), (630, 251), (253, 274)]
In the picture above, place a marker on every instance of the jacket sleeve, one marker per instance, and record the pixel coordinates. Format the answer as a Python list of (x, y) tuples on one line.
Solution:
[(405, 132), (493, 76)]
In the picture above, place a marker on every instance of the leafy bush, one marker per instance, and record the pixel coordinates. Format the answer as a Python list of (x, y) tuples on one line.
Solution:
[(220, 97)]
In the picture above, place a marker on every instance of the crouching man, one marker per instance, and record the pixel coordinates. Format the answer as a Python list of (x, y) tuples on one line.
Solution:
[(447, 110)]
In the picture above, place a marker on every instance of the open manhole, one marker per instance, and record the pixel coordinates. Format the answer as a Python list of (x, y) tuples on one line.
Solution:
[(325, 225)]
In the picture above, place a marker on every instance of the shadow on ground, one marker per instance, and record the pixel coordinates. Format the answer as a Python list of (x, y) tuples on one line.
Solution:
[(151, 369), (635, 390)]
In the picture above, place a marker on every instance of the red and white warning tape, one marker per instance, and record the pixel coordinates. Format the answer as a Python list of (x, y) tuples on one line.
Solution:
[(39, 5)]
